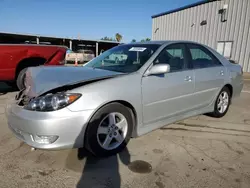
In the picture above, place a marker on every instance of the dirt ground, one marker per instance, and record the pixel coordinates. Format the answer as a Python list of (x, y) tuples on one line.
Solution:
[(197, 152)]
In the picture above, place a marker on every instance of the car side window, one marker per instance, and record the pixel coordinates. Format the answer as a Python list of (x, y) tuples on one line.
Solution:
[(201, 57), (172, 55)]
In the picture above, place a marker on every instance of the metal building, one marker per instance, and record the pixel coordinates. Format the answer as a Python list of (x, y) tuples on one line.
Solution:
[(221, 24)]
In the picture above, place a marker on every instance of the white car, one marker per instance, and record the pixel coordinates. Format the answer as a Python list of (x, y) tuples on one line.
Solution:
[(81, 56)]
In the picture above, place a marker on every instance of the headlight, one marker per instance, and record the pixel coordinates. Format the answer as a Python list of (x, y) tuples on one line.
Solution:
[(52, 102)]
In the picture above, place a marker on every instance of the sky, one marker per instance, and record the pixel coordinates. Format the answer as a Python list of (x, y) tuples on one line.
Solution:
[(87, 19)]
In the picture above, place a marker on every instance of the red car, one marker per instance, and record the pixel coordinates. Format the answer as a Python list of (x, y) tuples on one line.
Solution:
[(15, 58)]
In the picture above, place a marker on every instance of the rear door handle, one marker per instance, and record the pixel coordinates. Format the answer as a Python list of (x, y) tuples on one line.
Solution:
[(222, 72), (188, 78)]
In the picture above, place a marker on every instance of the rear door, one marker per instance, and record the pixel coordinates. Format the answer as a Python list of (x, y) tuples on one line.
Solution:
[(209, 74)]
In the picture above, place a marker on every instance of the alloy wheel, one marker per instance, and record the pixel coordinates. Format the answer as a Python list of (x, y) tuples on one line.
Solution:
[(112, 131), (223, 101)]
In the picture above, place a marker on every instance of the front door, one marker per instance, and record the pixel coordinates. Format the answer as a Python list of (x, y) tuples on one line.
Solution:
[(169, 94)]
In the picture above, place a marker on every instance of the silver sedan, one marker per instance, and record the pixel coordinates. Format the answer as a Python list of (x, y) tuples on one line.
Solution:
[(103, 104)]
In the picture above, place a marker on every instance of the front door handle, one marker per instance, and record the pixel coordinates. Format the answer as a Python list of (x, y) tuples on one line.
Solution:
[(188, 78), (222, 72)]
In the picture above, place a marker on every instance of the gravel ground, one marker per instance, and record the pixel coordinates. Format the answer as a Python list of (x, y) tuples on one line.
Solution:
[(197, 152)]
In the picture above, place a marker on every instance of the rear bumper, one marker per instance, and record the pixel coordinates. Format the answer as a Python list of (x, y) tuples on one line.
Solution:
[(237, 88), (69, 127)]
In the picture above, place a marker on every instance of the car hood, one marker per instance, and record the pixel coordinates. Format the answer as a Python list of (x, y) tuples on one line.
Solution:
[(42, 79)]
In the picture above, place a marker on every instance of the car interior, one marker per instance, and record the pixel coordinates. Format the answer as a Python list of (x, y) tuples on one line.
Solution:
[(176, 63)]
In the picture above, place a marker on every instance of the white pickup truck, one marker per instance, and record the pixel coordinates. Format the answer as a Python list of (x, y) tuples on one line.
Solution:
[(81, 56)]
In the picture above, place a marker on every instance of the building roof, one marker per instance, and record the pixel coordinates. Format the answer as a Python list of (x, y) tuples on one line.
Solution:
[(183, 8), (54, 37)]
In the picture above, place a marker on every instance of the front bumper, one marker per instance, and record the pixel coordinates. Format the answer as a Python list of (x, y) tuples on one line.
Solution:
[(68, 126)]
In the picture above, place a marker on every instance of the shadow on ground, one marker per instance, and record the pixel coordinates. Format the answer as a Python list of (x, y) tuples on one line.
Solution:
[(4, 89), (97, 172)]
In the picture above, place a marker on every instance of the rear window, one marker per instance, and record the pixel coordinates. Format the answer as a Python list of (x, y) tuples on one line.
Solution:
[(201, 57)]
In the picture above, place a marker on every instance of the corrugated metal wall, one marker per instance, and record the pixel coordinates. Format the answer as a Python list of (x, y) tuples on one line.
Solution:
[(185, 25)]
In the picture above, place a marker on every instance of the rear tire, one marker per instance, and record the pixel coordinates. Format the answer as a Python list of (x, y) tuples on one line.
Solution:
[(20, 79), (222, 103), (116, 135)]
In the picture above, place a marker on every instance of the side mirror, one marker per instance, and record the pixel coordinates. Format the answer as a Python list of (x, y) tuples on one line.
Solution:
[(158, 69)]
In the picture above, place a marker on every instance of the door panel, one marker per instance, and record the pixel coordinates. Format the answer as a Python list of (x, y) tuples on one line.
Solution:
[(167, 95), (209, 74), (208, 82)]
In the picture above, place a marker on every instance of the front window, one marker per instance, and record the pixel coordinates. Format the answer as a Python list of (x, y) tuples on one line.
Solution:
[(124, 58), (174, 56)]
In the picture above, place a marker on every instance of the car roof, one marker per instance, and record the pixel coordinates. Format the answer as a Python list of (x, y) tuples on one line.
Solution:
[(161, 42)]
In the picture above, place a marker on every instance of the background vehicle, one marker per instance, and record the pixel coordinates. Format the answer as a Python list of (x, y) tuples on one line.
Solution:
[(15, 58), (82, 56), (69, 51), (102, 105), (117, 57)]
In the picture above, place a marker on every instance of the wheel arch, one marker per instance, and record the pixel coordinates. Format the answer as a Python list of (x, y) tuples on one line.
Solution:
[(133, 112), (230, 87), (29, 62), (124, 103)]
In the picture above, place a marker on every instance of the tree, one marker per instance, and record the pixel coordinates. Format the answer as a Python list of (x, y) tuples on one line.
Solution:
[(118, 37), (108, 38), (146, 39), (133, 40)]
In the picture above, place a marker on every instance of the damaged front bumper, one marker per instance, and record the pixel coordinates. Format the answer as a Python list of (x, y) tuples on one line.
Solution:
[(48, 130)]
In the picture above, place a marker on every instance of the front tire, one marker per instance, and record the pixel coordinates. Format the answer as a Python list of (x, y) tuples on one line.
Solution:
[(222, 103), (20, 79), (109, 130)]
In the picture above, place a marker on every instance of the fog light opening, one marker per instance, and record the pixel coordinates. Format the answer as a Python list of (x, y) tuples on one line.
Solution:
[(42, 139)]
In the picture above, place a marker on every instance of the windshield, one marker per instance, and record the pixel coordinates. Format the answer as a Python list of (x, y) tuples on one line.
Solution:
[(124, 58)]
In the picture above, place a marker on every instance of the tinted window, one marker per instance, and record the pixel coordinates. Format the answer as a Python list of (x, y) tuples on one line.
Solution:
[(201, 57), (172, 55), (176, 52)]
